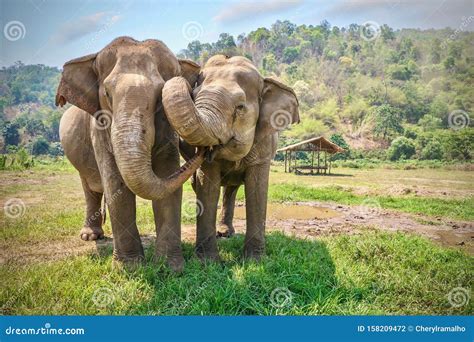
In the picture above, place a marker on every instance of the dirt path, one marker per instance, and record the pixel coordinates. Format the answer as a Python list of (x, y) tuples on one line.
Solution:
[(303, 220)]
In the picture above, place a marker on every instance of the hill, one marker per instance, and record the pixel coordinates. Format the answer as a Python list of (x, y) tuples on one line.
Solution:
[(369, 87)]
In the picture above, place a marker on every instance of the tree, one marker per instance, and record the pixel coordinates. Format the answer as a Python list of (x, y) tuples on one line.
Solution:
[(11, 134), (401, 148), (429, 122), (459, 145), (40, 146), (225, 44), (387, 33), (338, 139), (387, 121), (432, 151), (34, 127), (290, 54)]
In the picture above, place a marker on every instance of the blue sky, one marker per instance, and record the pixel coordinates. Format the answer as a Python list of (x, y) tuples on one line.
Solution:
[(52, 32)]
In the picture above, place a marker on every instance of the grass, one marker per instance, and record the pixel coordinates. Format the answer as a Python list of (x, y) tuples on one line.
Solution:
[(371, 273), (374, 273)]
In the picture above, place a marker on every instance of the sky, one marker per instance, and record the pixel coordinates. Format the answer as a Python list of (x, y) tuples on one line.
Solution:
[(51, 32)]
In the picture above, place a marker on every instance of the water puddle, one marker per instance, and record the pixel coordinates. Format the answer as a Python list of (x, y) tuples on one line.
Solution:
[(279, 211)]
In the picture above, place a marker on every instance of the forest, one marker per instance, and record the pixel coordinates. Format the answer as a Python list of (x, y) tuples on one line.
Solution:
[(378, 92)]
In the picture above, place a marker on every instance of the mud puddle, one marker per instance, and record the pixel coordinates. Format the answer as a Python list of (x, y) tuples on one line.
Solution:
[(281, 211)]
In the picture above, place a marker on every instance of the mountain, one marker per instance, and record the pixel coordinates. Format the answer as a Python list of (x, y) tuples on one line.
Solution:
[(369, 85)]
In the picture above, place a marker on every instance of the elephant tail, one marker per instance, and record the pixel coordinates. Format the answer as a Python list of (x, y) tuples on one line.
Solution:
[(104, 211)]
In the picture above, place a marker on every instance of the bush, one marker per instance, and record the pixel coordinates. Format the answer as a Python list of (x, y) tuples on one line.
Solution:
[(459, 145), (430, 123), (401, 148), (40, 146), (432, 151), (55, 149)]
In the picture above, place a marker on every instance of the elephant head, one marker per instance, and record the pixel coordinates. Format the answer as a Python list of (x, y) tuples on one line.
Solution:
[(233, 107), (121, 87)]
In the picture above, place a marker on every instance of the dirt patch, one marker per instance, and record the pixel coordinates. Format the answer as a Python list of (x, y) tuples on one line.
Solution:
[(343, 219), (300, 219), (281, 211), (414, 190)]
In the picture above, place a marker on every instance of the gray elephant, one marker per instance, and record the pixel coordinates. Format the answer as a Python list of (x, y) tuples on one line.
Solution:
[(118, 138), (240, 113)]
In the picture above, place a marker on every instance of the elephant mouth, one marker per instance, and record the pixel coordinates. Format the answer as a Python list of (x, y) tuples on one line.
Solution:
[(211, 152)]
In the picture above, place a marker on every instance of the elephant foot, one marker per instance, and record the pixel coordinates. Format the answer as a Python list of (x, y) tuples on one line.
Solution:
[(228, 232), (91, 233), (254, 252), (174, 262), (208, 255), (127, 263), (206, 249)]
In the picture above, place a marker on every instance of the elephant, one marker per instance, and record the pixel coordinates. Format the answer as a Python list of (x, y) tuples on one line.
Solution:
[(117, 136), (239, 113)]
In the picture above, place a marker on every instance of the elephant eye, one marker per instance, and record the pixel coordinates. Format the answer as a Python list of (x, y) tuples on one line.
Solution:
[(109, 98), (240, 108)]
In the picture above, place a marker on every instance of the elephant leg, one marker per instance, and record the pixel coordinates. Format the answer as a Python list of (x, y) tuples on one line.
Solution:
[(167, 213), (227, 212), (128, 248), (256, 189), (92, 229), (208, 183)]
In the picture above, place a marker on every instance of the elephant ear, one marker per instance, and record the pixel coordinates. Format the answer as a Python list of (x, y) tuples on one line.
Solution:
[(79, 85), (278, 108), (190, 71)]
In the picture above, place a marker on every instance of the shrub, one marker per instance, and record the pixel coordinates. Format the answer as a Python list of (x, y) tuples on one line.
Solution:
[(432, 151), (40, 146), (401, 148)]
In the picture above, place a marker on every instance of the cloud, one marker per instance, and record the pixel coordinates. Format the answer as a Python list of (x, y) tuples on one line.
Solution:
[(239, 11), (83, 26), (411, 13)]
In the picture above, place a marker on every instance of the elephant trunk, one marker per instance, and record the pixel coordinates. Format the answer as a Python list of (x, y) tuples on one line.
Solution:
[(200, 124), (132, 138)]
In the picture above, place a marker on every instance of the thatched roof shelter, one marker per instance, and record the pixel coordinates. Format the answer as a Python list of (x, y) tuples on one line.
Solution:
[(318, 145)]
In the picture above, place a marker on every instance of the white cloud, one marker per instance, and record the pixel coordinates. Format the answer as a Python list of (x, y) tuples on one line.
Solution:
[(244, 10), (83, 26), (405, 13)]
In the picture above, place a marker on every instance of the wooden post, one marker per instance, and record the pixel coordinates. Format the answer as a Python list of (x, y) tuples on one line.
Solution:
[(286, 155), (312, 161), (289, 161), (325, 162), (319, 162)]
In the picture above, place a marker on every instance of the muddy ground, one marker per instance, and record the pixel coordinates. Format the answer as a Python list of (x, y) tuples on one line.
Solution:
[(308, 220)]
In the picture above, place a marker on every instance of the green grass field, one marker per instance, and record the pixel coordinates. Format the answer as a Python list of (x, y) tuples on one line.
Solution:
[(374, 272)]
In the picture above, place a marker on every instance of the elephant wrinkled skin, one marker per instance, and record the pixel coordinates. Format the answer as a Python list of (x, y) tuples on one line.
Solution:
[(118, 138), (240, 113)]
